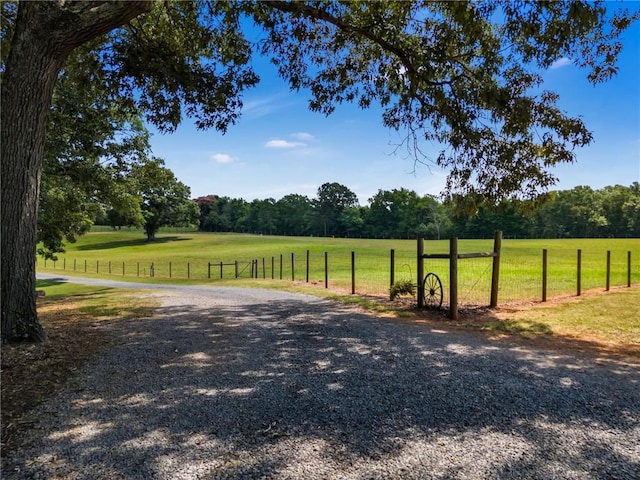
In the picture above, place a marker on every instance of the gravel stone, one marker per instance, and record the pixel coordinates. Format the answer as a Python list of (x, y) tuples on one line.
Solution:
[(229, 383)]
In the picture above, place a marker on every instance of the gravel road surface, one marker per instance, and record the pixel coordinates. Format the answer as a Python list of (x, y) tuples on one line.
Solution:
[(228, 383)]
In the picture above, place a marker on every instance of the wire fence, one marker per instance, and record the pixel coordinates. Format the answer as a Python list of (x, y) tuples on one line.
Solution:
[(522, 278)]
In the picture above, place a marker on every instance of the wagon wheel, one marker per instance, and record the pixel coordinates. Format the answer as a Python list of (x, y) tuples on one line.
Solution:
[(432, 288)]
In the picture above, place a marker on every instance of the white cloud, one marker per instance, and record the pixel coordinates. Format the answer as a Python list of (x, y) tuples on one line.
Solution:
[(222, 158), (561, 62), (283, 144), (263, 106), (304, 136)]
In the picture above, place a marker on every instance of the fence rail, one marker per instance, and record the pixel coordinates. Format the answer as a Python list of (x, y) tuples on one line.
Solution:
[(535, 279)]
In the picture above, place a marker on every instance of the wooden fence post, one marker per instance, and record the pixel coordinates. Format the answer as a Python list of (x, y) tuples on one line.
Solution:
[(420, 273), (326, 270), (495, 275), (264, 269), (109, 267), (123, 269), (293, 269), (353, 273), (307, 266), (392, 267), (236, 268), (608, 282), (629, 268), (273, 268), (188, 271), (453, 278), (544, 275), (169, 269), (138, 269), (579, 273), (209, 270), (280, 266)]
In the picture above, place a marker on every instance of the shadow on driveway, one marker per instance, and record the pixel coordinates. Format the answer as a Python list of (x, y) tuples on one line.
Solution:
[(287, 389)]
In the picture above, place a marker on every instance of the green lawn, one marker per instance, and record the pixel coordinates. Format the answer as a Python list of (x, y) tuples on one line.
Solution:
[(127, 255)]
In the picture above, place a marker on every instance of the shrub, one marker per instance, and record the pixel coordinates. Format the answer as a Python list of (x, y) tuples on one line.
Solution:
[(402, 287)]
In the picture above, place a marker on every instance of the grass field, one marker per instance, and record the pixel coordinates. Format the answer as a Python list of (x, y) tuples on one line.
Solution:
[(185, 257)]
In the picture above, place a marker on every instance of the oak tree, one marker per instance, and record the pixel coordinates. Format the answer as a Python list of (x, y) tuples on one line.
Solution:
[(164, 200)]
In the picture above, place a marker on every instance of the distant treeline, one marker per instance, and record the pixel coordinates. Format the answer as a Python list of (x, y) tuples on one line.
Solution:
[(580, 212)]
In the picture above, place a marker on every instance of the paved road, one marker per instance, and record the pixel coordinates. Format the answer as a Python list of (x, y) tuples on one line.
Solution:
[(237, 383)]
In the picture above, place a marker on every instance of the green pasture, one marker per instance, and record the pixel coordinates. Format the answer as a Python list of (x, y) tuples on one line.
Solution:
[(185, 257)]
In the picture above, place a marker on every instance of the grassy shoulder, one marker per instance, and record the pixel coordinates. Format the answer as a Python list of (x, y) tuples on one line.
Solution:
[(71, 315), (605, 323)]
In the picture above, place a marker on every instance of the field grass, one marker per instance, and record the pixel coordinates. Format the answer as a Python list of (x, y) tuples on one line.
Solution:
[(185, 258), (607, 323)]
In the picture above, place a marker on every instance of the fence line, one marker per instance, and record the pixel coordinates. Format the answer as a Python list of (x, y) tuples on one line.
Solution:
[(521, 279)]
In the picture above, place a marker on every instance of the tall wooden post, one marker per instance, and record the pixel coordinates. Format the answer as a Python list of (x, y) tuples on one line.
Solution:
[(544, 275), (392, 267), (453, 278), (579, 273), (353, 273), (495, 276), (307, 266), (608, 282), (420, 271), (326, 270), (629, 268)]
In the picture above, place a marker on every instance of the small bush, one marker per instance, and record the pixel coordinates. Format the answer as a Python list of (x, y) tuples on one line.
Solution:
[(402, 287)]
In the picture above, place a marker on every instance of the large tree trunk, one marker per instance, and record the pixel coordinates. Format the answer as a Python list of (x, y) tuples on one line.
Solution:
[(45, 33)]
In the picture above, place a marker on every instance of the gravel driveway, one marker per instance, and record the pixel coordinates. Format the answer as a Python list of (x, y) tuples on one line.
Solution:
[(239, 383)]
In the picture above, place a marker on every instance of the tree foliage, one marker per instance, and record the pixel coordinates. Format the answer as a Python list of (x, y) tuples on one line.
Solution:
[(580, 212), (331, 202), (163, 199), (466, 75), (93, 142)]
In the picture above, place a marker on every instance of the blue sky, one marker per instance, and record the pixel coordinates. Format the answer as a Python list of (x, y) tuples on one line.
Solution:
[(279, 147)]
